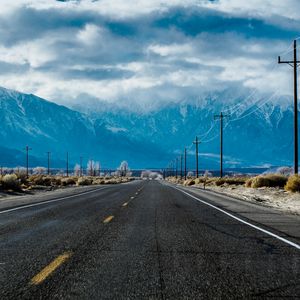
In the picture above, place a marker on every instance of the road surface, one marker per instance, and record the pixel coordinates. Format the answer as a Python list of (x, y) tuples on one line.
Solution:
[(147, 240)]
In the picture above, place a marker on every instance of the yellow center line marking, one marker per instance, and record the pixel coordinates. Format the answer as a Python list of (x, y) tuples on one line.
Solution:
[(125, 204), (41, 276), (108, 219)]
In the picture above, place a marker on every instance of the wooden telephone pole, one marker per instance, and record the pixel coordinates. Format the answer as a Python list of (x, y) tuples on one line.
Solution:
[(221, 116), (27, 160), (294, 63), (197, 142)]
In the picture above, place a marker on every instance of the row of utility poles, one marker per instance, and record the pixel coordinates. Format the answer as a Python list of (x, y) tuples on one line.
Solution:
[(293, 63), (27, 149), (183, 156)]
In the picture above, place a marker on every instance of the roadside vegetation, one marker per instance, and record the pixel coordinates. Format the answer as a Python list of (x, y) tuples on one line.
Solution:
[(289, 183), (17, 181)]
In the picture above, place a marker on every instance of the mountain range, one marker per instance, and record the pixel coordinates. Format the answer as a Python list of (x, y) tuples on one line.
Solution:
[(258, 131)]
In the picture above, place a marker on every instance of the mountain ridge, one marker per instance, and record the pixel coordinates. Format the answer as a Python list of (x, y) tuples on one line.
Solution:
[(153, 138)]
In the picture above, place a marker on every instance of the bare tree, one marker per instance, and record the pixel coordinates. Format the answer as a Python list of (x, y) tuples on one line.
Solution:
[(77, 170), (123, 168)]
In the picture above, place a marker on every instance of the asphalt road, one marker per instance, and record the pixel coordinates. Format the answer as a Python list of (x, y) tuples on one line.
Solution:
[(146, 240)]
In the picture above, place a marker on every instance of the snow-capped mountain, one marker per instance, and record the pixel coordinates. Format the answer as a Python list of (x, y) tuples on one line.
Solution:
[(45, 126), (257, 131)]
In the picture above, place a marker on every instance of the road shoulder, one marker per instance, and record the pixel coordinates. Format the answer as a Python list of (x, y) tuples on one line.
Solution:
[(285, 224)]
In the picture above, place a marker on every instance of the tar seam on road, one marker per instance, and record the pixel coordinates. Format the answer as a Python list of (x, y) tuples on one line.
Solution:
[(48, 270), (108, 219), (243, 221), (49, 201)]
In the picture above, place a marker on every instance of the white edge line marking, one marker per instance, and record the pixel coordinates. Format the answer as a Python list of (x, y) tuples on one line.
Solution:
[(242, 221), (49, 201)]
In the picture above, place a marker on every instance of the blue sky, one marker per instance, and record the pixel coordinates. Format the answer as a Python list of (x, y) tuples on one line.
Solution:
[(145, 52)]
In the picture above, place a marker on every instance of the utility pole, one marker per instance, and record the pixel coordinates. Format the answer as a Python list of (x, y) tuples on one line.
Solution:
[(48, 162), (197, 142), (184, 163), (294, 63), (80, 166), (67, 164), (176, 173), (27, 159), (221, 116), (181, 165)]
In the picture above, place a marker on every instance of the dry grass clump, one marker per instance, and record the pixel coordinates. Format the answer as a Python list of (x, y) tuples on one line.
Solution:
[(248, 182), (230, 181), (270, 180), (189, 182), (41, 180), (11, 182), (84, 181), (293, 184), (98, 180), (69, 181)]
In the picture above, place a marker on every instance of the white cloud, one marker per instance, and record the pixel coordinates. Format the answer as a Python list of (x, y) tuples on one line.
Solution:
[(257, 8), (90, 34), (171, 50), (150, 64)]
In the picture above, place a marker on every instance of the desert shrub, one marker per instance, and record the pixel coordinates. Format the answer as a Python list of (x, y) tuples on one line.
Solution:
[(84, 181), (293, 184), (270, 180), (236, 180), (98, 181), (56, 180), (248, 182), (200, 180), (113, 181), (68, 181), (22, 175), (189, 182), (219, 182), (11, 182), (40, 180)]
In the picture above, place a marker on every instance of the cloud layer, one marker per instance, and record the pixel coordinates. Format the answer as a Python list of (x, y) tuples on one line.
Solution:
[(147, 52)]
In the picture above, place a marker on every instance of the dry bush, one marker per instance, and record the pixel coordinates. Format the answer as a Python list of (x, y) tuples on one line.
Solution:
[(293, 184), (40, 180), (56, 180), (98, 181), (270, 180), (113, 181), (248, 183), (68, 181), (189, 182), (84, 181), (11, 182), (219, 182), (22, 177)]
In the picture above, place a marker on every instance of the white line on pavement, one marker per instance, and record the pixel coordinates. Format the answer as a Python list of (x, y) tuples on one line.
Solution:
[(297, 246), (49, 201)]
